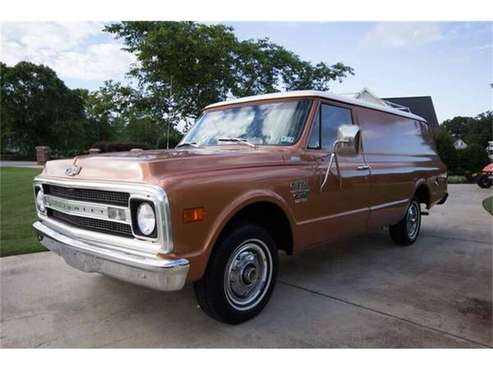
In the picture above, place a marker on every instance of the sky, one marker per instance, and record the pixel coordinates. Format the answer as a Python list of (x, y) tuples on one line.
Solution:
[(450, 61)]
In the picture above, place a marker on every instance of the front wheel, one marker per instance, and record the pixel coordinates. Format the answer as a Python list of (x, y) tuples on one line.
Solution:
[(407, 230), (240, 276)]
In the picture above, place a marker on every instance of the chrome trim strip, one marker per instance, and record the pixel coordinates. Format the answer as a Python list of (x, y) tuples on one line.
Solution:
[(154, 193), (137, 260), (78, 208), (358, 210), (147, 270), (341, 214), (103, 240), (389, 204)]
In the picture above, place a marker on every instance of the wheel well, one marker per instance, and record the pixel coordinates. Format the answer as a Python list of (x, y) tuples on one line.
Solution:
[(423, 195), (272, 218)]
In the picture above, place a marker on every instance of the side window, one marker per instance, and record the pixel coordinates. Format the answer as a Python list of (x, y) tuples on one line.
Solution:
[(331, 118)]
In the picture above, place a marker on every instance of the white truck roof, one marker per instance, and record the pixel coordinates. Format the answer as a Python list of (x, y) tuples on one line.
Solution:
[(321, 94)]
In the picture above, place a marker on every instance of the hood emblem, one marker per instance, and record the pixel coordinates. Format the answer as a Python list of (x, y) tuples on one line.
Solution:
[(73, 170)]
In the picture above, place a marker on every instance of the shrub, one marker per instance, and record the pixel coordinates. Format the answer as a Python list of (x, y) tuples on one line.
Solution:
[(472, 159), (446, 150)]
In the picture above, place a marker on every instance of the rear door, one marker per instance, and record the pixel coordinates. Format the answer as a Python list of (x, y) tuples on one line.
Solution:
[(398, 155)]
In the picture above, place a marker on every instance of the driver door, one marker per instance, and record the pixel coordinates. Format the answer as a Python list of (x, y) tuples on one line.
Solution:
[(343, 202)]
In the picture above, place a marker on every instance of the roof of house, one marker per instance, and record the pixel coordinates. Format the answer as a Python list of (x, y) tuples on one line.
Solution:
[(321, 94), (460, 144), (421, 105)]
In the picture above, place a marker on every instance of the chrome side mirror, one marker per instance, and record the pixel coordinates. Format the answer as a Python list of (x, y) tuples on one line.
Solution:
[(348, 137), (346, 144)]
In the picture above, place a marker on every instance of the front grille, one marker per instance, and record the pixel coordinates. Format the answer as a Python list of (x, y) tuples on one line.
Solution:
[(93, 224), (88, 195)]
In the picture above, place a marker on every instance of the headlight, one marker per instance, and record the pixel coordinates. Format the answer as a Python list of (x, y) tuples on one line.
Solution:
[(40, 201), (146, 219)]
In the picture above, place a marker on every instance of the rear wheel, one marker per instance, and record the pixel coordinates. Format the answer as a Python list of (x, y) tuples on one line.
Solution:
[(240, 276), (484, 182), (407, 230)]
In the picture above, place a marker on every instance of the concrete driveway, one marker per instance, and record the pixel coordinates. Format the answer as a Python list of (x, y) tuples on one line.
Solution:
[(22, 164), (364, 292)]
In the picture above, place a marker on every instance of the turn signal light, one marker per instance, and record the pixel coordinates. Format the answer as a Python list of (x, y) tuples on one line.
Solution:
[(193, 214)]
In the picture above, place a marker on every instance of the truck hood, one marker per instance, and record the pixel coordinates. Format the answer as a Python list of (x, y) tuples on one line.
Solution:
[(153, 165)]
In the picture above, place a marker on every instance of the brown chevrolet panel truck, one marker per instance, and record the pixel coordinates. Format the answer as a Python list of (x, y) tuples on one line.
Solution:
[(289, 171)]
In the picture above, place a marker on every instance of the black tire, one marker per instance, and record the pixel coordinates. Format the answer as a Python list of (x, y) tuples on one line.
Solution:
[(403, 233), (484, 182), (228, 263)]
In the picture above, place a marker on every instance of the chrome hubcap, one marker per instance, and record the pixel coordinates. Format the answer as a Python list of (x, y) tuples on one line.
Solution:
[(412, 220), (248, 274)]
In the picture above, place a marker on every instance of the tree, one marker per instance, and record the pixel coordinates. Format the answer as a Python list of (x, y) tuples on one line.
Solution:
[(184, 66), (446, 150), (37, 109), (472, 159), (458, 126), (473, 130), (122, 114), (481, 130), (106, 108)]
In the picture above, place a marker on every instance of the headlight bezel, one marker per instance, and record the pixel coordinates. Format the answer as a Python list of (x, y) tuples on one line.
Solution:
[(135, 204), (146, 218), (40, 208)]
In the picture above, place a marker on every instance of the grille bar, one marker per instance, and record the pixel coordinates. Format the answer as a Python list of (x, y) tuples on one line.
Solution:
[(93, 224), (88, 195)]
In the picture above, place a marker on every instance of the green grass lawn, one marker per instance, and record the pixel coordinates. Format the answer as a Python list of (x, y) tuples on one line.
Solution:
[(457, 180), (488, 205), (17, 212)]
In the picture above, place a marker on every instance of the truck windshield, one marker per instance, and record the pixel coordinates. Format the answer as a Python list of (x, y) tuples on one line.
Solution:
[(278, 123)]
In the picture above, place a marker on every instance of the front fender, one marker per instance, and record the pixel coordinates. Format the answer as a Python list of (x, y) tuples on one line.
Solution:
[(199, 264)]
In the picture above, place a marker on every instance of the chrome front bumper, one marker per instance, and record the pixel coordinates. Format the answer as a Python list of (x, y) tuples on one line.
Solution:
[(149, 271)]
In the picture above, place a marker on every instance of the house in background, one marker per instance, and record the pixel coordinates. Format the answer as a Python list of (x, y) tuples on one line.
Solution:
[(420, 105), (489, 150), (459, 144)]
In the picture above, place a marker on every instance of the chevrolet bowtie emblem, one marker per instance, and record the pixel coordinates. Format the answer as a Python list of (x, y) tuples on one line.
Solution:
[(73, 170)]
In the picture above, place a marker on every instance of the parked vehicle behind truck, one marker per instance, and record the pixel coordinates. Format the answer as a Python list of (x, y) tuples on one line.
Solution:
[(484, 178), (254, 176)]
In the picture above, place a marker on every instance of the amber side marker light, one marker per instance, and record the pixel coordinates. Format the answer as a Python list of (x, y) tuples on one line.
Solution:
[(193, 214)]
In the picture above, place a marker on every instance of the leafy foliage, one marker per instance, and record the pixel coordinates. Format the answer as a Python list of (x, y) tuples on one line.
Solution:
[(123, 114), (36, 107), (475, 131), (472, 159), (446, 150), (184, 66)]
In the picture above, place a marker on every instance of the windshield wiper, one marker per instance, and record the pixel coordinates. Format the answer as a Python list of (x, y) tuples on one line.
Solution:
[(238, 140), (192, 144)]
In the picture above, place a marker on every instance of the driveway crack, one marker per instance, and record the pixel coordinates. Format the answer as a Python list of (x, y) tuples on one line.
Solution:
[(342, 300), (458, 239)]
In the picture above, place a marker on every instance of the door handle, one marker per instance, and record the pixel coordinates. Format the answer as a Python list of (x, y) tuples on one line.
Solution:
[(363, 167)]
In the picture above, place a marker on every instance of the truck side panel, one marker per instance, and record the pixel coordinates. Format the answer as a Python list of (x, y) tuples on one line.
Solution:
[(401, 154)]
